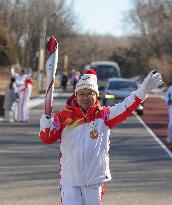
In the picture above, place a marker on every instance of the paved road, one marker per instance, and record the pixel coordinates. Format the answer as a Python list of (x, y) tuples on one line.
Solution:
[(156, 117), (141, 170)]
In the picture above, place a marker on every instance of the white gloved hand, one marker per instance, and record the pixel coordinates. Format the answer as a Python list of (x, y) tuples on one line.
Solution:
[(45, 122), (152, 81)]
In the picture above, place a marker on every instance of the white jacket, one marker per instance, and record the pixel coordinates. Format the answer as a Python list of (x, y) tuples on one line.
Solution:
[(85, 159)]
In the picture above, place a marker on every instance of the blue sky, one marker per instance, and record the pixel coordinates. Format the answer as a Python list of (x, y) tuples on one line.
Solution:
[(102, 16)]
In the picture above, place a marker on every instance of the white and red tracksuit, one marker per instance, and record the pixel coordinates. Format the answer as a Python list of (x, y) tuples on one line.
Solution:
[(84, 158), (20, 111)]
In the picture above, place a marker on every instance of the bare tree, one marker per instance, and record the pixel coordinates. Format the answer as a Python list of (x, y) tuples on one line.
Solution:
[(24, 19), (152, 18), (8, 53)]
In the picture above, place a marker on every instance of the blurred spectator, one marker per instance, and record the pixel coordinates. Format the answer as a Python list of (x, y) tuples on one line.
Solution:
[(9, 100), (20, 108), (64, 80), (28, 91), (168, 100), (75, 78)]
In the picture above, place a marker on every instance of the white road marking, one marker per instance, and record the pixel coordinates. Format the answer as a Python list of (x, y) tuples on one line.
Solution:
[(155, 137)]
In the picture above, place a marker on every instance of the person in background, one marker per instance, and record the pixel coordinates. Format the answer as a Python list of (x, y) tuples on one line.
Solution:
[(168, 100), (83, 128), (20, 109), (75, 78), (28, 91), (64, 80), (11, 97)]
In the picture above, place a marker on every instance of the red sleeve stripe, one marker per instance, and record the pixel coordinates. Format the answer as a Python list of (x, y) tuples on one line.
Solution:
[(54, 136), (120, 118)]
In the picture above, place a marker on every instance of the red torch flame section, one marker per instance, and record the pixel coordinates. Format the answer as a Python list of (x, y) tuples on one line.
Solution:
[(51, 45)]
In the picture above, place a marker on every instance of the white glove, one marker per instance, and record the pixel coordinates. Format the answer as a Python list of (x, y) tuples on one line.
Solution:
[(45, 122), (153, 80)]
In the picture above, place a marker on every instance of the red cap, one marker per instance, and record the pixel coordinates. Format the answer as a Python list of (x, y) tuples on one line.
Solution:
[(90, 71)]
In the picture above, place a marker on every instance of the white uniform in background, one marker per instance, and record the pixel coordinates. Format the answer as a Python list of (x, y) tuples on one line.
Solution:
[(28, 92), (168, 100), (20, 110), (9, 101)]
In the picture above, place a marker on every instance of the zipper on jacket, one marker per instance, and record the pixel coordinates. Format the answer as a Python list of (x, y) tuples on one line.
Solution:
[(85, 115), (84, 153)]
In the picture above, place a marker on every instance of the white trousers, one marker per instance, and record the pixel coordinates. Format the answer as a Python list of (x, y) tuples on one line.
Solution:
[(82, 195), (9, 115), (21, 113)]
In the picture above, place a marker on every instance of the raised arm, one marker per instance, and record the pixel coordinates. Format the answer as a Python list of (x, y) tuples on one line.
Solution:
[(121, 111)]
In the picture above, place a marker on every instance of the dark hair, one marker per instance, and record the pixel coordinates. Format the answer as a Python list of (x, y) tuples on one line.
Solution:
[(12, 81)]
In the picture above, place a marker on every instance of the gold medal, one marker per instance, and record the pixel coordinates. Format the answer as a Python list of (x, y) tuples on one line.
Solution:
[(94, 134)]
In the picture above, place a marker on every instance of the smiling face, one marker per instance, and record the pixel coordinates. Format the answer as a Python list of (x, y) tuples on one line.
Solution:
[(86, 98)]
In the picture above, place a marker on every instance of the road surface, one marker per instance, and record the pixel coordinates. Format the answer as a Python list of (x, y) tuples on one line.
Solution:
[(141, 169)]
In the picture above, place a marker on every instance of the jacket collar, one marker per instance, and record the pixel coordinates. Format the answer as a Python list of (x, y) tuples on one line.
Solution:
[(72, 104)]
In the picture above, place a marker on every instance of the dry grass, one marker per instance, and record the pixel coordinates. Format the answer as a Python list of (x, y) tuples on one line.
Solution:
[(4, 80), (35, 91)]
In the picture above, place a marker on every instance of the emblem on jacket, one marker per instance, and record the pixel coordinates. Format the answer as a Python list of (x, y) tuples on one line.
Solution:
[(94, 133)]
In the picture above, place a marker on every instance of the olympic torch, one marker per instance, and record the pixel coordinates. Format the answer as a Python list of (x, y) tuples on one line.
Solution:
[(51, 66)]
